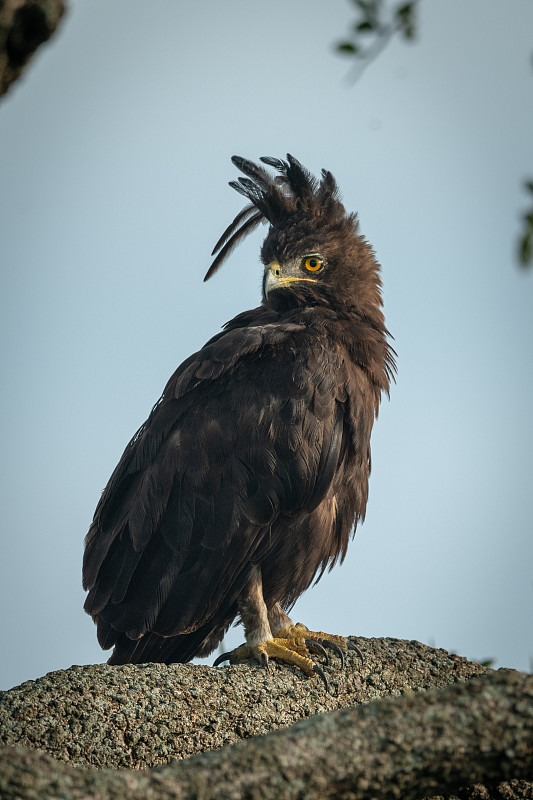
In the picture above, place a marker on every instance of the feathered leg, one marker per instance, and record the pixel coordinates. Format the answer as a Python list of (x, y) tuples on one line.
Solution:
[(272, 634)]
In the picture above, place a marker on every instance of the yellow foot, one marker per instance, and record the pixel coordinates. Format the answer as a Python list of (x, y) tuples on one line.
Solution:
[(293, 645), (318, 641), (291, 650)]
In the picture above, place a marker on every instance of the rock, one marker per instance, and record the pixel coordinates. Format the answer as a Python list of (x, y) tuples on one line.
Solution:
[(135, 717)]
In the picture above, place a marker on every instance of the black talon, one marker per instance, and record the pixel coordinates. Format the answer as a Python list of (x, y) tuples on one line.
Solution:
[(316, 647), (222, 657), (336, 649), (353, 646), (264, 661), (319, 671)]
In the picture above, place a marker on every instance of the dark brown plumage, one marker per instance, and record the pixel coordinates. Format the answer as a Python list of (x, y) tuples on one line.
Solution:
[(252, 469)]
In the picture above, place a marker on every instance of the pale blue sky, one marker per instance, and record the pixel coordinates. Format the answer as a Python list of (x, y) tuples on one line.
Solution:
[(115, 162)]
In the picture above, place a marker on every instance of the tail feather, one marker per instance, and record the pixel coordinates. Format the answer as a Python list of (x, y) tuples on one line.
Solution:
[(169, 650)]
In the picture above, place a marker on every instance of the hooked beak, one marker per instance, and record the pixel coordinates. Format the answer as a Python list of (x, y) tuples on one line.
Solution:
[(274, 278)]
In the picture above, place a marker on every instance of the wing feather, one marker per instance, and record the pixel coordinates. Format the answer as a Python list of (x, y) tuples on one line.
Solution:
[(195, 496)]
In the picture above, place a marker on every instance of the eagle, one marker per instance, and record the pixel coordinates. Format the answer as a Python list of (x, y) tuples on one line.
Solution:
[(251, 472)]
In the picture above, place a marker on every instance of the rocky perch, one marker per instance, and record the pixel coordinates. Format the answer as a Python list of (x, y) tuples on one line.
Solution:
[(412, 722)]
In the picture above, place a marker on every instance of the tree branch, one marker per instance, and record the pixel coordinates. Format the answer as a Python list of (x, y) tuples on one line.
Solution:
[(24, 26)]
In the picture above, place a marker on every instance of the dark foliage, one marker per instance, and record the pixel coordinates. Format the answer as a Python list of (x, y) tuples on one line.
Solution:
[(375, 25)]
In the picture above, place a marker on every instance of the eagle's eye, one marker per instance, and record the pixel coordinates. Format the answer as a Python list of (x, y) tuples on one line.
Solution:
[(313, 264)]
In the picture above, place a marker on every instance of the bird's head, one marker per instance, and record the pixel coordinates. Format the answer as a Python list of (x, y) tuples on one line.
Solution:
[(313, 252)]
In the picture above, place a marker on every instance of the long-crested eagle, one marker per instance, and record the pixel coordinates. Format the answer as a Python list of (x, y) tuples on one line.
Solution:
[(252, 469)]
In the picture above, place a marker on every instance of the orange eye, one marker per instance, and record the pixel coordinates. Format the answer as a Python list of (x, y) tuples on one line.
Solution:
[(313, 264)]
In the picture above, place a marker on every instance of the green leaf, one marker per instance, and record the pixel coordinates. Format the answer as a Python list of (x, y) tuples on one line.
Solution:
[(370, 8), (405, 11), (347, 47), (405, 18), (529, 185), (366, 26), (526, 250)]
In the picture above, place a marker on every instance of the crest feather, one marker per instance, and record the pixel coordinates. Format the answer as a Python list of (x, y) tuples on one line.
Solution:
[(275, 199)]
